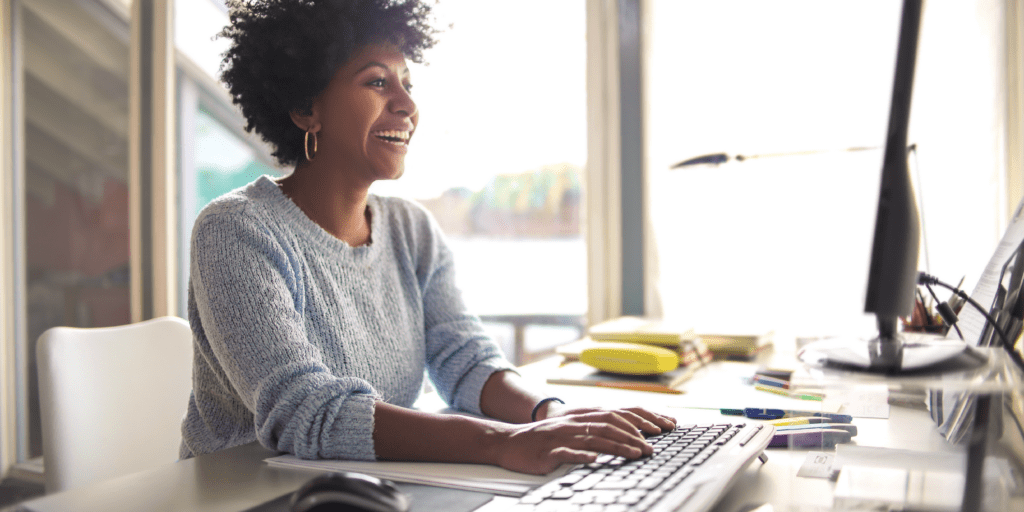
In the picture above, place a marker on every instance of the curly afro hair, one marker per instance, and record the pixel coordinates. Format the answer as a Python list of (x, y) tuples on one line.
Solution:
[(283, 53)]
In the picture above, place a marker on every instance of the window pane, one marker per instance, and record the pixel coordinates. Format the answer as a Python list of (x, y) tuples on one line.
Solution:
[(765, 240), (216, 155), (498, 158), (223, 162), (75, 104)]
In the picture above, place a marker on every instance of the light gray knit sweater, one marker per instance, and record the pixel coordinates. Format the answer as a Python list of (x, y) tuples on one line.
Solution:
[(297, 334)]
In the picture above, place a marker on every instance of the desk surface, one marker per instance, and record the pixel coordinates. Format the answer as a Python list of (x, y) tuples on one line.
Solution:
[(238, 479)]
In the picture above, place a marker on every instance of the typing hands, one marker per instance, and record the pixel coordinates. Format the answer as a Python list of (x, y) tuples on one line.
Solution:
[(577, 435)]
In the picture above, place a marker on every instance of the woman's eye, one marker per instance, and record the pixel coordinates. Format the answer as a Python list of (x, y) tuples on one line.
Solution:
[(408, 87), (379, 82)]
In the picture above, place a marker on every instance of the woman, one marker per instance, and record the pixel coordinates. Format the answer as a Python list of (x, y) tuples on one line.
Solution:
[(316, 306)]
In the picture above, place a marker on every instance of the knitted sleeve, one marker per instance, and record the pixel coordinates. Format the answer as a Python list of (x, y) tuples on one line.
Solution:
[(246, 286), (460, 354)]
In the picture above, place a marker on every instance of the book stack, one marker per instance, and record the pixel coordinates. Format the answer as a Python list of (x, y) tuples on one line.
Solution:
[(683, 341), (742, 347), (630, 329)]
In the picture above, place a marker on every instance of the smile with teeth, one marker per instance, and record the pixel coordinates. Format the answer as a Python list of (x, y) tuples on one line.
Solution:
[(397, 137)]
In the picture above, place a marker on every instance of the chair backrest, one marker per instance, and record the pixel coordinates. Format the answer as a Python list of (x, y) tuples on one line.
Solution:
[(112, 398)]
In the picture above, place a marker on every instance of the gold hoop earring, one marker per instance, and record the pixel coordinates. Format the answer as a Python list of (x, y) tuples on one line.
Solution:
[(305, 146)]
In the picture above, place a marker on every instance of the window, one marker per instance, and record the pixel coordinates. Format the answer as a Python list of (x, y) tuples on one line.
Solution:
[(215, 154), (73, 94), (498, 158)]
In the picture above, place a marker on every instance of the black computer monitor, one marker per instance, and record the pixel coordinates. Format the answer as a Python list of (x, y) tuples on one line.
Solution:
[(892, 279)]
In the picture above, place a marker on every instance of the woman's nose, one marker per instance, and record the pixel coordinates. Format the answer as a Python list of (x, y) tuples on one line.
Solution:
[(402, 103)]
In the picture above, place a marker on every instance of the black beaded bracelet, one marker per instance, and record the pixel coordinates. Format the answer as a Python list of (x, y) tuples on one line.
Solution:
[(533, 415)]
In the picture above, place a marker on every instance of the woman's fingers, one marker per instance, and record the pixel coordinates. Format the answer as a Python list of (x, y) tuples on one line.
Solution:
[(638, 422), (608, 439), (626, 421), (648, 422), (566, 455), (612, 439), (665, 423)]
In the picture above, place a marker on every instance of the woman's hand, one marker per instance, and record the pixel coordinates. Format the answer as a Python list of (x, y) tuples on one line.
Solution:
[(650, 423), (577, 436)]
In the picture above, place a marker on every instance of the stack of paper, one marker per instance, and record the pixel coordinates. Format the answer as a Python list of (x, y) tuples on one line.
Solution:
[(689, 351), (736, 346), (632, 329), (469, 477)]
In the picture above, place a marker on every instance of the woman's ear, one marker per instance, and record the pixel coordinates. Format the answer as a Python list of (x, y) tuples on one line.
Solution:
[(306, 121)]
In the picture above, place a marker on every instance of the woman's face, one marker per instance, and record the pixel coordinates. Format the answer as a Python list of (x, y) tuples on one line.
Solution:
[(367, 116)]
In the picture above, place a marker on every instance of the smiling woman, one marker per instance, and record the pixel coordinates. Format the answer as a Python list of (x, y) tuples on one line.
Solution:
[(360, 125), (316, 306)]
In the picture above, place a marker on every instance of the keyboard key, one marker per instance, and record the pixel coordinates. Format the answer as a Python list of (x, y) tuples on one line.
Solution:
[(648, 483), (630, 499), (616, 485), (587, 482), (571, 478), (562, 494)]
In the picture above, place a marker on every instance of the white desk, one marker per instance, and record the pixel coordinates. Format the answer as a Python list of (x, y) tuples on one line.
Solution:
[(238, 479)]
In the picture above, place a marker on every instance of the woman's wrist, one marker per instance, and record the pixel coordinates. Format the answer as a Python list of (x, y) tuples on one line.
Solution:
[(542, 410), (489, 439), (409, 435)]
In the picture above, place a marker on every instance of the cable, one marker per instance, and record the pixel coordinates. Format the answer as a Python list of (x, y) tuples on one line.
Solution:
[(927, 279), (948, 315)]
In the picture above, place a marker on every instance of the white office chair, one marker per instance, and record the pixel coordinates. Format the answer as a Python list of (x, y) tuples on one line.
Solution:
[(112, 398)]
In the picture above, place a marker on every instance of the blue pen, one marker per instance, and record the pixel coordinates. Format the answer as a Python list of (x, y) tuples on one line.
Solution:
[(754, 413), (758, 413), (761, 413)]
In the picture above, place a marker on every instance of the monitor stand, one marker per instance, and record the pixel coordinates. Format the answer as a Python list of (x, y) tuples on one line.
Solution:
[(891, 352)]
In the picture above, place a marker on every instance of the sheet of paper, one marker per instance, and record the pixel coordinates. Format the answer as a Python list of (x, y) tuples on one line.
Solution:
[(817, 465), (972, 323), (867, 401), (470, 477)]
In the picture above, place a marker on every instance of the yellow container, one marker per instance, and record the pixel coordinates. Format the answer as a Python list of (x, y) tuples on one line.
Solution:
[(630, 358)]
